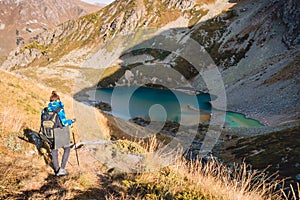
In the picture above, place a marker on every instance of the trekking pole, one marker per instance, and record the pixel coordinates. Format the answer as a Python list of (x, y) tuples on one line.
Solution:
[(76, 153)]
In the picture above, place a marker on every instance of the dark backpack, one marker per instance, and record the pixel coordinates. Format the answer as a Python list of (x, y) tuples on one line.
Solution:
[(50, 121)]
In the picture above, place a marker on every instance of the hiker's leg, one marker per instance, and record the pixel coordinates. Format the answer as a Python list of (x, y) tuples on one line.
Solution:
[(65, 157), (54, 154)]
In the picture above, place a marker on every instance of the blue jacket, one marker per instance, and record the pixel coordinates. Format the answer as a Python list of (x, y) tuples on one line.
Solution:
[(52, 106)]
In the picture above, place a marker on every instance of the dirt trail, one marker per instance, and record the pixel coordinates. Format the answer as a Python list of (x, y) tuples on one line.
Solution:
[(83, 181)]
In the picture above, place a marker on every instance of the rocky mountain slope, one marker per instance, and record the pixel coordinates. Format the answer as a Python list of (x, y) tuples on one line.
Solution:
[(255, 44), (22, 20)]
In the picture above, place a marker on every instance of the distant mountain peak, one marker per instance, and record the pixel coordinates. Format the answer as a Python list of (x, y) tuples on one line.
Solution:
[(23, 19), (98, 2)]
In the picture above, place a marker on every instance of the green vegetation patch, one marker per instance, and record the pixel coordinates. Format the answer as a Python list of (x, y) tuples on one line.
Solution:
[(196, 13), (109, 71), (35, 45), (110, 81), (2, 59), (59, 84)]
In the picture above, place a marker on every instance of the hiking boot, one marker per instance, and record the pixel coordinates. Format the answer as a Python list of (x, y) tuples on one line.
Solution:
[(62, 172)]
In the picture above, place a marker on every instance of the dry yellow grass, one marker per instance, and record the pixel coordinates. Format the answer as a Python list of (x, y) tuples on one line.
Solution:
[(21, 97), (21, 166), (23, 100), (187, 180), (184, 179)]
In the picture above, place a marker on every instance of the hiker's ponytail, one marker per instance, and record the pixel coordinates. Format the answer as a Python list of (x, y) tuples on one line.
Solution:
[(54, 96)]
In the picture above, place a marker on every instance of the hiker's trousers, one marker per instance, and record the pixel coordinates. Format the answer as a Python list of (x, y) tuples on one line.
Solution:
[(64, 160)]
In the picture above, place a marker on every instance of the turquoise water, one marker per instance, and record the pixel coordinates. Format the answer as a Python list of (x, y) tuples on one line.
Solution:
[(161, 105)]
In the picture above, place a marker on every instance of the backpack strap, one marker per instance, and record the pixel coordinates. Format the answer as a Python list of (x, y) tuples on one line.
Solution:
[(57, 119)]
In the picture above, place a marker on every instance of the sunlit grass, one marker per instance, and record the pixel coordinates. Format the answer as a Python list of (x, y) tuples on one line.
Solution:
[(183, 179)]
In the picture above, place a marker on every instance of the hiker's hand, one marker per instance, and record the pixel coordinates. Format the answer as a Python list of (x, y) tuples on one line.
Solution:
[(74, 120)]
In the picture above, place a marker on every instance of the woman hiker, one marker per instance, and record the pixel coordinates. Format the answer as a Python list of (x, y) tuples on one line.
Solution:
[(56, 105)]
